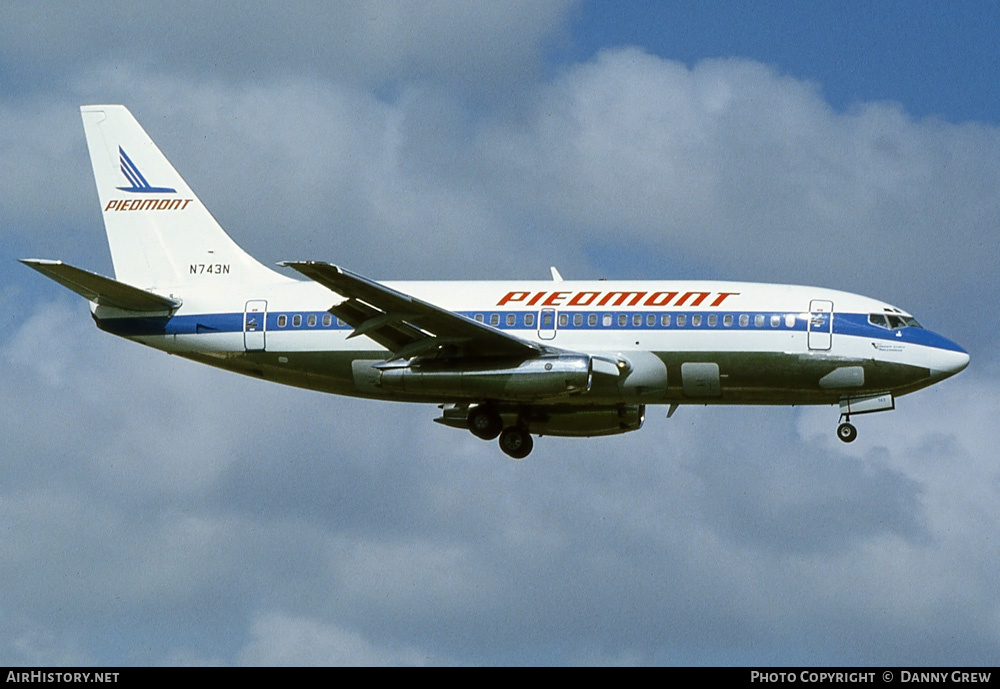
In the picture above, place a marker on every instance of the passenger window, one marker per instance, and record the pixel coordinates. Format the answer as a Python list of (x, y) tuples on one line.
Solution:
[(651, 320), (577, 320), (744, 320), (511, 319), (494, 319), (592, 319), (341, 323), (727, 320), (696, 320), (296, 320), (681, 321), (713, 320), (327, 320), (775, 320), (563, 319), (606, 321), (282, 321), (758, 320), (312, 320), (637, 320), (790, 320), (622, 320), (529, 320), (479, 317), (665, 320)]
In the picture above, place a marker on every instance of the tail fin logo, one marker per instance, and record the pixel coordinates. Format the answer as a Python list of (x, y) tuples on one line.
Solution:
[(139, 183)]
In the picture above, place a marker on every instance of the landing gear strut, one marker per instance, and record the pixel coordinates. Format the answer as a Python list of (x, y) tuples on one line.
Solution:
[(516, 442)]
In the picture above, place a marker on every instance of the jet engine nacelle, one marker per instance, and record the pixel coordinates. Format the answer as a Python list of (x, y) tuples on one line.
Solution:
[(544, 377)]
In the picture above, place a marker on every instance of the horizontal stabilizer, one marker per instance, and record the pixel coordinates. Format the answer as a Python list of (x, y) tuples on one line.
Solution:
[(101, 290)]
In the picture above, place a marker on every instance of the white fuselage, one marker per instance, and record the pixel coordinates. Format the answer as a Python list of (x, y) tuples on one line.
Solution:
[(771, 344)]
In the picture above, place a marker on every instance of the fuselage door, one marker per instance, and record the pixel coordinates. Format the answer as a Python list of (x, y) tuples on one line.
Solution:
[(255, 325), (547, 324), (820, 324)]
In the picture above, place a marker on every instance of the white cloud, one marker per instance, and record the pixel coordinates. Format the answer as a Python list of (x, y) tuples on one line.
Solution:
[(739, 167), (279, 639), (478, 45)]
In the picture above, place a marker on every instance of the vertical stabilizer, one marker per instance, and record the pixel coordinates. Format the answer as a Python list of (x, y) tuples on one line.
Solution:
[(160, 234)]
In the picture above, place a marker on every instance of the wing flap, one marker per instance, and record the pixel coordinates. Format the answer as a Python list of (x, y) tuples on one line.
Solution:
[(405, 325), (101, 290)]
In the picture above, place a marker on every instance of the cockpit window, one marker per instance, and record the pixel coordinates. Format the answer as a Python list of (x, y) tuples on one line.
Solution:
[(892, 321)]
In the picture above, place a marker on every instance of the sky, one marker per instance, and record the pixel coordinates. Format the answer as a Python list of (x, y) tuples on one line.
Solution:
[(158, 512)]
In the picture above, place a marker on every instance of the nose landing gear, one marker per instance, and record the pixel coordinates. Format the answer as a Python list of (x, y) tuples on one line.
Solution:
[(865, 404), (846, 431)]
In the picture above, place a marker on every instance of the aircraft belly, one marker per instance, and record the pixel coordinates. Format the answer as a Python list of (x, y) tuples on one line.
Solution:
[(220, 344), (694, 377), (781, 378)]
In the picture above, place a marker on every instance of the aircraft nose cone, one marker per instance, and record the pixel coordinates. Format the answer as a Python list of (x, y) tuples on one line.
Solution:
[(948, 362), (959, 361)]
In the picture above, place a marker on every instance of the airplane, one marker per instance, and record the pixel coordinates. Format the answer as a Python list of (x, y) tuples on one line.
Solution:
[(506, 360)]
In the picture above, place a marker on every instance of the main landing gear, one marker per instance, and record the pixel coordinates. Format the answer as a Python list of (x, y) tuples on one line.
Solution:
[(485, 423), (516, 442)]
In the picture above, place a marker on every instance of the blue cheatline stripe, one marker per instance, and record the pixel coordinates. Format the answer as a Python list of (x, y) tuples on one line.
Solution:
[(844, 324), (176, 325)]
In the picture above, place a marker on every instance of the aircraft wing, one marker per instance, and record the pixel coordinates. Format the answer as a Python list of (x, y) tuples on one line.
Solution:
[(405, 325)]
